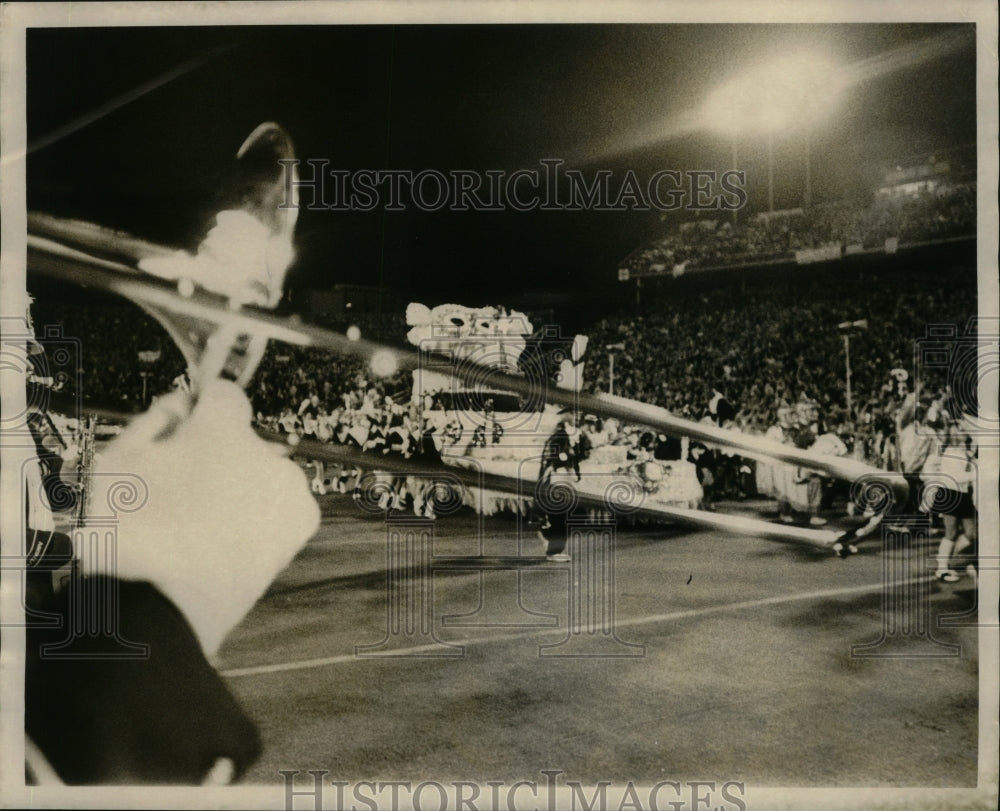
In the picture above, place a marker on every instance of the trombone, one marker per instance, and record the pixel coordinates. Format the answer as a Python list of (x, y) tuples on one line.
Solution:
[(222, 334)]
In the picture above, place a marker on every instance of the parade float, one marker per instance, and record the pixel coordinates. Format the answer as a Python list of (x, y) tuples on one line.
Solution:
[(482, 427)]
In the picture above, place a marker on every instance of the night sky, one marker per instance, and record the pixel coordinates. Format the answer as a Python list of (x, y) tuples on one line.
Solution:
[(458, 97)]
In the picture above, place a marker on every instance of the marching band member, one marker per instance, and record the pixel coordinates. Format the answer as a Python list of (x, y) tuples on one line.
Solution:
[(831, 444), (561, 448), (184, 580), (775, 478), (560, 452)]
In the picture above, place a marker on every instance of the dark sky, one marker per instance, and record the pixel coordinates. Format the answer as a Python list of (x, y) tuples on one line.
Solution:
[(456, 97)]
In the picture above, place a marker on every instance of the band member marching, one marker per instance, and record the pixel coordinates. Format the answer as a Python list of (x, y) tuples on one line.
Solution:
[(561, 452)]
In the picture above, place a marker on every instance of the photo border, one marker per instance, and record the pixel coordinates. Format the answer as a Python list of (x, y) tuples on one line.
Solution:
[(16, 18)]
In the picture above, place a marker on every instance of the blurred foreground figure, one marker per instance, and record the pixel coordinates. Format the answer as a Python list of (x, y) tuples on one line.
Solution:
[(187, 566)]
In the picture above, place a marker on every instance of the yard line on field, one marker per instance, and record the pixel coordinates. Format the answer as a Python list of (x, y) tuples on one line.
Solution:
[(649, 619)]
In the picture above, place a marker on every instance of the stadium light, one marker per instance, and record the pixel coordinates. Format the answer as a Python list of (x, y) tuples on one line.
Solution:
[(795, 91)]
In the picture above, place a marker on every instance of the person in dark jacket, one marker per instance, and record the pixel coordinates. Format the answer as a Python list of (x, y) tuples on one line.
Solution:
[(561, 450)]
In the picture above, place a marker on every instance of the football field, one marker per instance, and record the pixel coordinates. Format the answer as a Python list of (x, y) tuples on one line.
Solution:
[(408, 650)]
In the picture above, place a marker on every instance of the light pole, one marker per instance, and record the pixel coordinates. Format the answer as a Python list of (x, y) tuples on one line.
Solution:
[(807, 196), (848, 328), (612, 348), (770, 171), (736, 168)]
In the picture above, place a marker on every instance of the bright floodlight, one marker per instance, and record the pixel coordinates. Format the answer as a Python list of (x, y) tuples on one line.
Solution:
[(794, 90)]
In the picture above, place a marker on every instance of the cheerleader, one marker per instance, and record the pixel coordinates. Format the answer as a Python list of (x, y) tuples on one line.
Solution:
[(949, 479)]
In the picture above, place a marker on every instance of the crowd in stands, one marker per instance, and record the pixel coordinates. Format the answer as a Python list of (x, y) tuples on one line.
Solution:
[(289, 374), (773, 346), (767, 348), (122, 356), (923, 215)]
